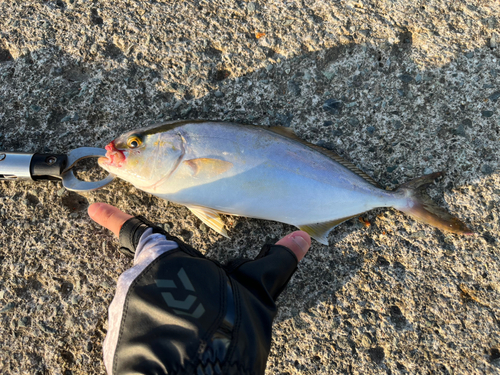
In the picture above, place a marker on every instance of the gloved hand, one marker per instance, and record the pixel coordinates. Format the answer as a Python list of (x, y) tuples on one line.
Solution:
[(177, 312)]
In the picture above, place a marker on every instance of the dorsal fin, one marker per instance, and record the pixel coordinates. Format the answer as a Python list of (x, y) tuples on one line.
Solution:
[(289, 133), (286, 132)]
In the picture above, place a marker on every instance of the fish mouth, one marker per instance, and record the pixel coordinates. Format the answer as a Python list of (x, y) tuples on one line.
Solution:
[(114, 157)]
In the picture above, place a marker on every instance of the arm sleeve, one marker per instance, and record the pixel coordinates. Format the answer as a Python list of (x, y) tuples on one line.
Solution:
[(151, 246)]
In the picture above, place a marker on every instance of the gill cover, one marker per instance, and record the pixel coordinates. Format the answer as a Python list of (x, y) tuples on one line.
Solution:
[(149, 157)]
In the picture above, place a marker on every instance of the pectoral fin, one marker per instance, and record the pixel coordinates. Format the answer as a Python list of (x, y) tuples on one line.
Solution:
[(207, 167), (211, 218), (319, 231)]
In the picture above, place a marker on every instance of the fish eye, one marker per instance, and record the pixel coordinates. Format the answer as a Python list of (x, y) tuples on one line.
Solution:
[(134, 141)]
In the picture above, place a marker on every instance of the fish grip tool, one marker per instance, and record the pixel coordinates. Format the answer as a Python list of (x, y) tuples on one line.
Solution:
[(15, 166)]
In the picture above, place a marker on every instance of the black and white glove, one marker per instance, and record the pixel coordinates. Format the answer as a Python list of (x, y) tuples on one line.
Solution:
[(177, 312)]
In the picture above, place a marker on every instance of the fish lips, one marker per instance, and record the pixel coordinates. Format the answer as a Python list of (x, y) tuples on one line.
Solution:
[(114, 157)]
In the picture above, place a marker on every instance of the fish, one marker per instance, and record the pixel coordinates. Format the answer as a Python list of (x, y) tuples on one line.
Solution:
[(260, 172)]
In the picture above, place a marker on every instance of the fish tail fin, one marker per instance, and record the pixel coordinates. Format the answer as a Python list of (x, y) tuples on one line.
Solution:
[(422, 208)]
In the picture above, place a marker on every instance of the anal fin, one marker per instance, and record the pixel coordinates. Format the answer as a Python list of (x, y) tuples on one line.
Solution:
[(320, 231), (211, 219)]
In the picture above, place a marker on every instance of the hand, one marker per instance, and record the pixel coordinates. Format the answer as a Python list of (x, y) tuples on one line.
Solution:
[(173, 282), (113, 218)]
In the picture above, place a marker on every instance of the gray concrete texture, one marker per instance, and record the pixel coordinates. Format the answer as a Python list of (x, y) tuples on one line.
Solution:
[(399, 88)]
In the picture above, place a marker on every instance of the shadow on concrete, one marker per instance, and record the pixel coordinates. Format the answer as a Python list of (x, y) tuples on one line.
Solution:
[(78, 104)]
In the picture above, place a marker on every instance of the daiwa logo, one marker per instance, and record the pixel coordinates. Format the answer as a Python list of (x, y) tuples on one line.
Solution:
[(181, 307)]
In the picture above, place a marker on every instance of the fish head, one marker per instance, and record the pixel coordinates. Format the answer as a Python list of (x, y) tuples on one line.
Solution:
[(142, 158)]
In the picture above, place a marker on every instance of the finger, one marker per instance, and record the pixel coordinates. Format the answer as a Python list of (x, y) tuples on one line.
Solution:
[(108, 216), (299, 242), (275, 265)]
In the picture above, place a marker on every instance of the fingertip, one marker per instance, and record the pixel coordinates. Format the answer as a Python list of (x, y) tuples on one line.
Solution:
[(93, 209), (298, 242), (108, 216)]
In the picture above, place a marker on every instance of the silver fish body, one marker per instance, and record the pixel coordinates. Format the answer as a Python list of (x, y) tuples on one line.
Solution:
[(214, 167)]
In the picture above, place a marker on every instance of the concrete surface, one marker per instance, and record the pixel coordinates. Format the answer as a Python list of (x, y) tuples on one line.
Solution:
[(399, 88)]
